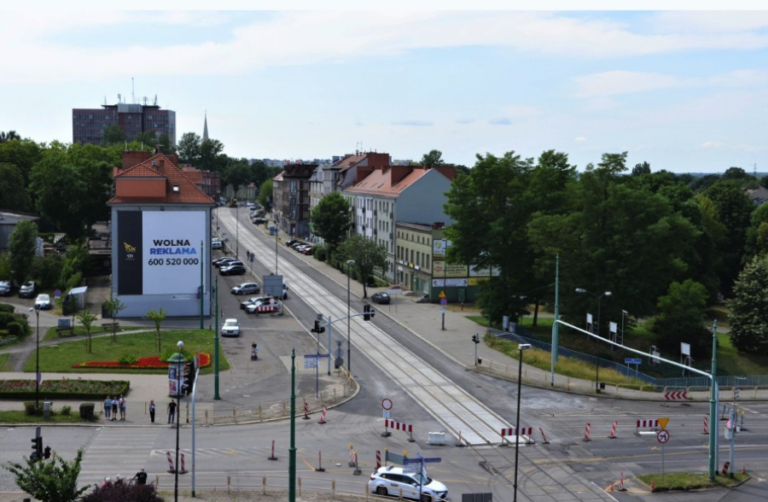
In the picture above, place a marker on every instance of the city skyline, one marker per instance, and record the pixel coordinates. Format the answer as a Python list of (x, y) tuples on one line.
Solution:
[(684, 91)]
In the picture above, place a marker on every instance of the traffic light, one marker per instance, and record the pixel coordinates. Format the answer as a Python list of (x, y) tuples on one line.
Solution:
[(189, 378), (368, 312), (47, 452), (318, 329), (37, 445), (476, 338)]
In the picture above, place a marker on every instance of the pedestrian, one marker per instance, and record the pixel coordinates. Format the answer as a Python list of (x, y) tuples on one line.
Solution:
[(107, 407), (141, 477), (121, 402), (114, 408), (171, 411), (152, 411)]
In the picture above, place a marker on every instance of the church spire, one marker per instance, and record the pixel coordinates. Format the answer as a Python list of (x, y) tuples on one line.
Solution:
[(205, 127)]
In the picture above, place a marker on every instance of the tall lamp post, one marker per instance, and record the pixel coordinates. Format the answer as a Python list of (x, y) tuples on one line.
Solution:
[(349, 319), (521, 347), (597, 342), (623, 313), (37, 358), (237, 222), (179, 371)]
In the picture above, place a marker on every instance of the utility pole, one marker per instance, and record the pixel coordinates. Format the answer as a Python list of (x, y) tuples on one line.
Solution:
[(713, 408), (555, 324), (292, 448), (216, 345), (202, 291)]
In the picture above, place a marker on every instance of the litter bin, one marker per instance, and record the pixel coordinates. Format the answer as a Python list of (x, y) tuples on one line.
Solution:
[(47, 409)]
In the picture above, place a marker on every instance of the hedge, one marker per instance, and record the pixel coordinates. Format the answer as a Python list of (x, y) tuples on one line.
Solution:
[(96, 389)]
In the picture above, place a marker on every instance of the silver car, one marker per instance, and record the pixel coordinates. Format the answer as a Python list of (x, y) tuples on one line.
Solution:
[(230, 328), (43, 302), (5, 287), (246, 288), (27, 290)]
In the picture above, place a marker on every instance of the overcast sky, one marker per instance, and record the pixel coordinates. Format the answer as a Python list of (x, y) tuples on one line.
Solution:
[(685, 91)]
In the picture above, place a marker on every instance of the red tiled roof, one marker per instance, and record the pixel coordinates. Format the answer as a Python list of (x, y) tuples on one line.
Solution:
[(162, 166), (348, 162), (379, 182)]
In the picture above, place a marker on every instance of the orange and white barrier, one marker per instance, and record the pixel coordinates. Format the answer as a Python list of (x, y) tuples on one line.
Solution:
[(391, 424), (587, 432), (613, 435), (646, 424), (322, 416)]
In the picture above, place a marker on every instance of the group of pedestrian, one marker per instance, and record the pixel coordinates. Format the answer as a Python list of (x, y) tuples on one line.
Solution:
[(113, 406)]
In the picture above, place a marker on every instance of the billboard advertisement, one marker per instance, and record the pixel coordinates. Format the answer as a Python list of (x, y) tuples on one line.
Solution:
[(160, 252)]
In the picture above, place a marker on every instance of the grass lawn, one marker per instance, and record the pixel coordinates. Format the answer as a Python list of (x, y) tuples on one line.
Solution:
[(21, 417), (3, 360), (51, 333), (679, 481), (60, 358)]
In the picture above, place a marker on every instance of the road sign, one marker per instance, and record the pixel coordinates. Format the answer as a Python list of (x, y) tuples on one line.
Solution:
[(663, 422), (386, 414), (442, 295), (310, 363), (662, 436), (442, 310), (443, 302), (676, 395), (633, 360), (386, 403), (435, 460)]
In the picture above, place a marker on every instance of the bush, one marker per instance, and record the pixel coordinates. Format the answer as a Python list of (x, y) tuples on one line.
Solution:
[(123, 493), (320, 252), (86, 411), (30, 409), (128, 359), (66, 410), (168, 351), (15, 329), (4, 307)]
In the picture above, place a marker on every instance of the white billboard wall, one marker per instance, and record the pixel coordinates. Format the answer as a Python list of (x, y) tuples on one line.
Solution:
[(172, 251)]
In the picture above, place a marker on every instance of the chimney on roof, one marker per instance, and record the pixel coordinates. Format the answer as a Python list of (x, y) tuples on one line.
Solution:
[(397, 173), (447, 171), (362, 173)]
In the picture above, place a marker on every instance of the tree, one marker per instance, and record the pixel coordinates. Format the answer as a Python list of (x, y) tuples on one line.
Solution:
[(189, 149), (123, 492), (157, 316), (22, 244), (330, 219), (113, 306), (749, 308), (265, 194), (21, 153), (147, 138), (114, 135), (164, 143), (368, 256), (14, 194), (681, 318), (640, 169), (86, 319), (211, 157), (432, 159), (8, 136), (5, 267), (49, 481), (47, 270), (75, 266), (237, 174)]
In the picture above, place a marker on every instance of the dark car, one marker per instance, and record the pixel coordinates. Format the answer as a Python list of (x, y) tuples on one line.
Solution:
[(221, 262), (232, 270), (383, 298), (28, 290), (258, 221), (291, 242)]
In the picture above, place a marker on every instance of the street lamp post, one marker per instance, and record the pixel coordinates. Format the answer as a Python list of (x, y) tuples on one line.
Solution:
[(623, 313), (349, 319), (521, 347), (37, 359), (237, 222), (179, 371), (597, 342)]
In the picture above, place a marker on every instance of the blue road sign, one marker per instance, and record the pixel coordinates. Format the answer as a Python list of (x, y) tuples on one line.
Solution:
[(431, 460), (314, 356), (632, 360)]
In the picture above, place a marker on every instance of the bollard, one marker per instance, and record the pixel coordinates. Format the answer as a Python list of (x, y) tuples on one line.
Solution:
[(320, 462), (183, 469), (229, 483), (333, 489), (706, 425), (460, 443), (171, 469), (272, 457), (298, 484), (284, 409), (543, 436), (306, 410), (613, 430), (260, 412), (586, 433), (157, 482), (743, 469), (264, 485), (357, 470), (378, 459), (206, 417), (234, 415)]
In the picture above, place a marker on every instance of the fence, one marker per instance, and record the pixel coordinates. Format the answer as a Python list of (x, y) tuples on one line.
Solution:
[(723, 382), (604, 363)]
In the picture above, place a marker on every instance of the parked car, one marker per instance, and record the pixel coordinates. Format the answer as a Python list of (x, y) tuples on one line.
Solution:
[(27, 290), (230, 328), (235, 269), (216, 244), (5, 288), (291, 242), (256, 299), (390, 480), (308, 250), (246, 288), (382, 298), (226, 260), (258, 221), (253, 308), (43, 302)]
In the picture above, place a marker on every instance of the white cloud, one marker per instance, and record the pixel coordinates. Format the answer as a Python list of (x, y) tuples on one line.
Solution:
[(580, 139), (611, 83), (710, 22), (328, 37)]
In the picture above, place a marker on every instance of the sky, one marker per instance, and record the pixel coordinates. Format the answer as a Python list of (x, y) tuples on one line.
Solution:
[(683, 90)]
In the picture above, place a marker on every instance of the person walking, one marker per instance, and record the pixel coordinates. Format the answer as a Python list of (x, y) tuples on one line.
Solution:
[(140, 477), (114, 408), (121, 402), (171, 412), (152, 410), (107, 407)]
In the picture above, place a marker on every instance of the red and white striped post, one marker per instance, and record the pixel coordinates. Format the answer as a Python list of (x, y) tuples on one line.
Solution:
[(622, 489), (586, 432), (306, 410), (272, 456), (543, 436), (706, 425), (351, 456), (612, 435), (170, 464), (183, 470), (378, 459)]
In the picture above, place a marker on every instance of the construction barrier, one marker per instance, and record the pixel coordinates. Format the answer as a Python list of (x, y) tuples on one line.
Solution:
[(612, 435), (378, 459), (306, 410), (706, 425), (587, 432), (171, 469), (543, 436), (322, 416), (525, 433), (272, 456), (183, 469), (391, 424), (646, 424)]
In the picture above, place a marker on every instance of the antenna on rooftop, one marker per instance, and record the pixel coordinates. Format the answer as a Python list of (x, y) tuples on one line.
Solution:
[(133, 96), (155, 104), (118, 98), (105, 100)]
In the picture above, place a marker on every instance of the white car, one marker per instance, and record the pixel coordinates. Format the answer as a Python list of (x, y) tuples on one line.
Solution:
[(43, 302), (216, 244), (252, 308), (230, 328), (391, 480)]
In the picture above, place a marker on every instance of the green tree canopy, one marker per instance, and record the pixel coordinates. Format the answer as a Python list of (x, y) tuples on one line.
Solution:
[(21, 245), (237, 174), (368, 257), (331, 220), (114, 135), (188, 149), (432, 159), (681, 318), (265, 194), (13, 192), (749, 308), (49, 481)]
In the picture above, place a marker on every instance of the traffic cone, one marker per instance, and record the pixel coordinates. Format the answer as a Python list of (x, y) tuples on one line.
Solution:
[(743, 469)]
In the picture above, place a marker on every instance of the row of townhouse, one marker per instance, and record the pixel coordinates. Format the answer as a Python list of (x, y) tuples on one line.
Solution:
[(399, 207)]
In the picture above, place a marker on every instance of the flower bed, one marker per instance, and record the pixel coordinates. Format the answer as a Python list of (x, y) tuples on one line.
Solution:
[(64, 388), (145, 363)]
